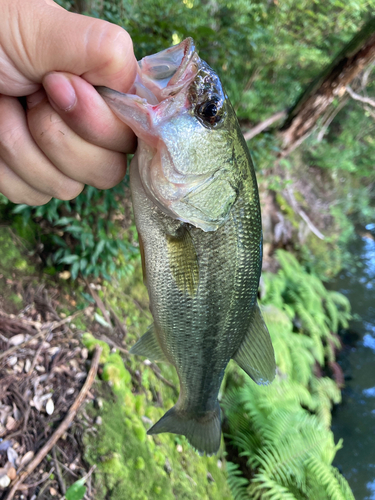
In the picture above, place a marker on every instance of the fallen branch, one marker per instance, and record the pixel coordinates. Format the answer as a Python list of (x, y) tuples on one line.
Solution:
[(62, 427), (58, 472), (265, 124), (304, 216)]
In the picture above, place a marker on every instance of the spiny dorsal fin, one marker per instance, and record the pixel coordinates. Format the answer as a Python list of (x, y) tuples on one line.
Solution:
[(255, 355), (149, 347), (183, 261)]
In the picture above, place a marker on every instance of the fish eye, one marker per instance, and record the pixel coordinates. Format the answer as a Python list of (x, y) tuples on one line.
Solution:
[(210, 112)]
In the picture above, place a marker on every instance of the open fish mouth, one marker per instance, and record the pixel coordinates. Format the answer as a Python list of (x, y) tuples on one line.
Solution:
[(165, 73)]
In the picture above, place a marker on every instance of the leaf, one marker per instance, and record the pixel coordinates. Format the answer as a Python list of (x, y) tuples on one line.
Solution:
[(76, 491), (20, 208), (63, 221), (68, 259), (101, 320)]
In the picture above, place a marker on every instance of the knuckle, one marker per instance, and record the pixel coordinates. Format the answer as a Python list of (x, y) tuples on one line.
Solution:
[(45, 126), (68, 190), (10, 141), (110, 175)]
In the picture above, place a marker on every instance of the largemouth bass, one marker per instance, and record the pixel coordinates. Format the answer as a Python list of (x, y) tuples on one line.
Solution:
[(197, 212)]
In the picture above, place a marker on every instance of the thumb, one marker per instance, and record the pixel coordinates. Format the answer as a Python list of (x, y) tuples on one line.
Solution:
[(44, 37)]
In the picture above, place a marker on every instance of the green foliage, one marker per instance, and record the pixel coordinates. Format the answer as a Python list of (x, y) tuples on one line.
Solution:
[(76, 491), (283, 430), (82, 234), (314, 310)]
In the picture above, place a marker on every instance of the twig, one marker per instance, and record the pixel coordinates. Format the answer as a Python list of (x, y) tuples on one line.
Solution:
[(67, 468), (49, 327), (357, 97), (99, 303), (264, 124), (62, 427), (118, 322), (302, 214), (35, 358), (58, 472), (156, 370), (113, 344), (16, 347)]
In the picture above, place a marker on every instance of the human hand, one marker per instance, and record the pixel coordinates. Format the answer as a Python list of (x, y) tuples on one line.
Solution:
[(68, 136)]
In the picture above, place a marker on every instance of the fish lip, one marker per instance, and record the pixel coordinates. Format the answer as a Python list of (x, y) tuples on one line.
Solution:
[(168, 71)]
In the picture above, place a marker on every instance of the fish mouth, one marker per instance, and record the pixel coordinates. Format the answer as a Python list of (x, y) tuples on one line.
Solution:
[(167, 72)]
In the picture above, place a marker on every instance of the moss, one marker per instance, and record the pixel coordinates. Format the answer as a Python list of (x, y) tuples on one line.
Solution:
[(131, 464), (12, 257), (91, 342), (287, 210)]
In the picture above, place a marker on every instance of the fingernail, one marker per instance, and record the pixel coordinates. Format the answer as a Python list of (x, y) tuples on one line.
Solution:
[(60, 91), (34, 99)]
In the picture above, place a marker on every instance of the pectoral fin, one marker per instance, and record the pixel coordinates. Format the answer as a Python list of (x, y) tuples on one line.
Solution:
[(255, 355), (183, 261), (149, 347)]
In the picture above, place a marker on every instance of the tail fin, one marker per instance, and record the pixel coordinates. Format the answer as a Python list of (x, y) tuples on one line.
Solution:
[(203, 432)]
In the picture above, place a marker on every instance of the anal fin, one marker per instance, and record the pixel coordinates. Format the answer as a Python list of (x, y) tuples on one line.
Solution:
[(255, 355), (149, 347)]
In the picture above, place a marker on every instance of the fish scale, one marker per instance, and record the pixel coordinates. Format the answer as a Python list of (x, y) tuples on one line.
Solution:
[(197, 212)]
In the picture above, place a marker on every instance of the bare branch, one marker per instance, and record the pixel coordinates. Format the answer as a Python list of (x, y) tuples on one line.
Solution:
[(329, 119), (264, 124), (357, 97), (303, 214)]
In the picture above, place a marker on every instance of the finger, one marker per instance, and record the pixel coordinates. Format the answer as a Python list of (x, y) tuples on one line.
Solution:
[(17, 191), (72, 155), (57, 40), (21, 154), (85, 112)]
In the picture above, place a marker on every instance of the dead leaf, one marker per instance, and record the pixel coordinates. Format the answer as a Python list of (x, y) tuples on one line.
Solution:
[(12, 455), (11, 423), (4, 481), (27, 365), (53, 491), (27, 458), (12, 360), (12, 474), (18, 339), (50, 407), (16, 413)]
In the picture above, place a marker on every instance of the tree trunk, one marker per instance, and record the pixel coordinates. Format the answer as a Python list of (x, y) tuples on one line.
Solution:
[(331, 83)]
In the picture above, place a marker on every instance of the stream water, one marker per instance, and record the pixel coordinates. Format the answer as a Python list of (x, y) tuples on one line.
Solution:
[(354, 420)]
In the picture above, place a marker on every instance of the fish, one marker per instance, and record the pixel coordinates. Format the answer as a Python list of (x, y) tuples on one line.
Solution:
[(197, 212)]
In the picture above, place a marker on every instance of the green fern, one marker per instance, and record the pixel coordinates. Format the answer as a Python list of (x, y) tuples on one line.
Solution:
[(237, 483), (283, 429)]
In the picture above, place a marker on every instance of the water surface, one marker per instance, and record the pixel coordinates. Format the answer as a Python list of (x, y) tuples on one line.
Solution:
[(354, 420)]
